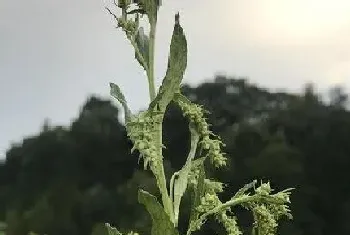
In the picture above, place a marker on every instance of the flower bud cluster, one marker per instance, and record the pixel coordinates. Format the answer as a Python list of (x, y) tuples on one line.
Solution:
[(229, 223), (210, 199), (195, 114), (141, 132), (208, 202), (193, 176), (213, 187), (264, 189), (278, 207), (269, 208), (128, 25), (213, 146), (283, 196), (277, 202), (265, 221)]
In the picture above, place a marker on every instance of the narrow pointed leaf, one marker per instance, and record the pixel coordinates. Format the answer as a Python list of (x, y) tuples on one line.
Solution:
[(177, 64), (142, 42), (116, 93), (161, 223)]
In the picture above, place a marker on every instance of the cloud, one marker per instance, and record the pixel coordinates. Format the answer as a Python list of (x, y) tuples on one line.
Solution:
[(276, 43)]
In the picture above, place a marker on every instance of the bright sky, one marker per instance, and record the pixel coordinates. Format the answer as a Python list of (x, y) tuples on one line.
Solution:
[(55, 53)]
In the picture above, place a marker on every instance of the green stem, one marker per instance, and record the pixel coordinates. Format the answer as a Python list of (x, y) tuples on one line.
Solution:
[(166, 200), (150, 75)]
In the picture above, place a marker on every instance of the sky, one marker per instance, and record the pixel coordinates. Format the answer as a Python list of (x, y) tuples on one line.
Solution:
[(55, 53)]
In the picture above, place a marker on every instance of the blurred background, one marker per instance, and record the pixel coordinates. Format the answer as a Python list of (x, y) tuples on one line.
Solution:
[(273, 74)]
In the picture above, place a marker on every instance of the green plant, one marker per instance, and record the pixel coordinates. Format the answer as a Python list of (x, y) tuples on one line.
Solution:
[(145, 131)]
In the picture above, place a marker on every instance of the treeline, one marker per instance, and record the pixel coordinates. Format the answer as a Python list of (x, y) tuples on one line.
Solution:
[(64, 180)]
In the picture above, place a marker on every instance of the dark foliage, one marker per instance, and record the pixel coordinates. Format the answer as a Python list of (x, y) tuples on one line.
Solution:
[(66, 179)]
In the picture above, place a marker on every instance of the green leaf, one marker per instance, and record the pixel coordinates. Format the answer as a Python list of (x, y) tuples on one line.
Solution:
[(180, 183), (177, 64), (161, 223), (142, 42), (105, 229), (116, 93)]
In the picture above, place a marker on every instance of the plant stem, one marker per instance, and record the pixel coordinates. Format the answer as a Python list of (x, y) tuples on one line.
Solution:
[(166, 200), (150, 75)]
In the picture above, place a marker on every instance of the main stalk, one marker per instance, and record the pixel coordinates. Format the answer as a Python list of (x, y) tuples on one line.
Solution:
[(166, 200)]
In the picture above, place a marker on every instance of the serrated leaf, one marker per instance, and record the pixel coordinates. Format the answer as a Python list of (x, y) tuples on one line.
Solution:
[(117, 93), (180, 183), (105, 229), (177, 64), (161, 223), (142, 42)]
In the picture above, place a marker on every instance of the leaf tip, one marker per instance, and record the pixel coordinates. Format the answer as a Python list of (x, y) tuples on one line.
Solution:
[(177, 18), (112, 85)]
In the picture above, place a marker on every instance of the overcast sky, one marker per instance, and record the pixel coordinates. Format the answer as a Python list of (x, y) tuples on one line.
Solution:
[(54, 53)]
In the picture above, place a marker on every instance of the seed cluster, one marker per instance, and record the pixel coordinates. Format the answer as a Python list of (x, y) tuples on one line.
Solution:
[(141, 131), (210, 199), (264, 220), (267, 208), (230, 223), (129, 26), (266, 214), (195, 114), (193, 176), (213, 187), (208, 202)]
